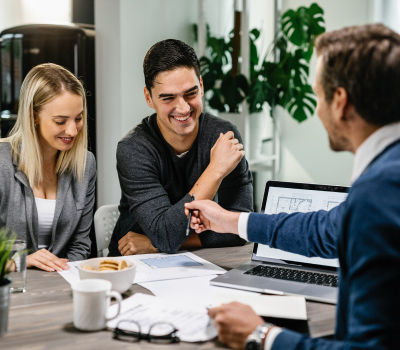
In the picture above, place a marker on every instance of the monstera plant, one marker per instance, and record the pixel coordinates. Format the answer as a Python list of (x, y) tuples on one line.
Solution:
[(278, 78), (225, 89)]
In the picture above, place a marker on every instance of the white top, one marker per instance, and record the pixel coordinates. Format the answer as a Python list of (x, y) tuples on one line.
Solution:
[(45, 210), (364, 155)]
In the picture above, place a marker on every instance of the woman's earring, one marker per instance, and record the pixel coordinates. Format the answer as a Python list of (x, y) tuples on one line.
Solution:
[(36, 125)]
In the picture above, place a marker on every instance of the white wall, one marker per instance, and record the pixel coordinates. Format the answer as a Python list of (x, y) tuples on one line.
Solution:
[(18, 12), (125, 31)]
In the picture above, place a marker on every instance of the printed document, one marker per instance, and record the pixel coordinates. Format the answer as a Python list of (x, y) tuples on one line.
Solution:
[(158, 267), (192, 322), (196, 290)]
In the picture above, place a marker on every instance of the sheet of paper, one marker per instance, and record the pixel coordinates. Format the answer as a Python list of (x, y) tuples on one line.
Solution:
[(192, 322), (157, 267), (196, 290), (71, 275), (269, 305)]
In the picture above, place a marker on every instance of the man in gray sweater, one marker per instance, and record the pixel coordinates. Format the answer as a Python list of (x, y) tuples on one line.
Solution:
[(175, 153)]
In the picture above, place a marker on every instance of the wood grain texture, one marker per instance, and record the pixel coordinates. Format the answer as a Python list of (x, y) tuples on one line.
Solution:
[(41, 318)]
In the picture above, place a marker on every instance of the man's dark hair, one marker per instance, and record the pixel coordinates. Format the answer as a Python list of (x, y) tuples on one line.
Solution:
[(168, 55), (365, 61)]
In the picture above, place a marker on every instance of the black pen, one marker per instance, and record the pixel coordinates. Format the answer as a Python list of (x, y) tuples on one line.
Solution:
[(190, 218)]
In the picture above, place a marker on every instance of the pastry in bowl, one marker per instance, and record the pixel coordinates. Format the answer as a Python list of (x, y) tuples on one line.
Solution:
[(120, 271)]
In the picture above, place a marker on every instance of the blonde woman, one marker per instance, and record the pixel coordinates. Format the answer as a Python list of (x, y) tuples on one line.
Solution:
[(47, 176)]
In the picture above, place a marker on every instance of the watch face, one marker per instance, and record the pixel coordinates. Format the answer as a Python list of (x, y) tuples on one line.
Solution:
[(252, 345)]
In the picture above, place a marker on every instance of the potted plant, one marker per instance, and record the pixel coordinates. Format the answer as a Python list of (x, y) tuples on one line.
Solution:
[(6, 244), (284, 80), (280, 78)]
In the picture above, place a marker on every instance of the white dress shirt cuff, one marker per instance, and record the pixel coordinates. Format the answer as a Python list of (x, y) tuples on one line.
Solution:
[(272, 334), (242, 225)]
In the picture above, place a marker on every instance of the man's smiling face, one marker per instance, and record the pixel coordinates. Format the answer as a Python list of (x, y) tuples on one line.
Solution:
[(176, 98)]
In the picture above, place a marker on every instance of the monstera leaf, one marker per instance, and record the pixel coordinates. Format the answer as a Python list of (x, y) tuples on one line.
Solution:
[(302, 104), (234, 90), (211, 71), (302, 26)]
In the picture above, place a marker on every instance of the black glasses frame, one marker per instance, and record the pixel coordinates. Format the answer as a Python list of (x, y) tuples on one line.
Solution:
[(170, 337)]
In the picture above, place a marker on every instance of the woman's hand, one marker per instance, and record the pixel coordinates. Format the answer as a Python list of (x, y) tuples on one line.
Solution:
[(46, 261)]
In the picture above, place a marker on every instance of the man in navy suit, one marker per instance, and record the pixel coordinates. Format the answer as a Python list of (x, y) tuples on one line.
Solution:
[(358, 88)]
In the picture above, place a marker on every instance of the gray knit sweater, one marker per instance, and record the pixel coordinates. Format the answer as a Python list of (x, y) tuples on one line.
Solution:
[(155, 185)]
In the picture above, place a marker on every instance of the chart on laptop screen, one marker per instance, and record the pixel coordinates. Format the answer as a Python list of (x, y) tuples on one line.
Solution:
[(292, 200)]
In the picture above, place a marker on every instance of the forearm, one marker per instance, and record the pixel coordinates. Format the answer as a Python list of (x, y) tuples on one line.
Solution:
[(207, 185)]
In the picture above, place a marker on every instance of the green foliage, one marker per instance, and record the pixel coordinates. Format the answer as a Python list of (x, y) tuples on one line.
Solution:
[(226, 90), (6, 243), (282, 81)]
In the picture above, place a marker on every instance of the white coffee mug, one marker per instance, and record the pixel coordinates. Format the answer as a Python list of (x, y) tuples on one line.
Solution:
[(91, 302)]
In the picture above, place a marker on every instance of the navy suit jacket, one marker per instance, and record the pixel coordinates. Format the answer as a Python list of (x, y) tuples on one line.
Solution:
[(364, 233)]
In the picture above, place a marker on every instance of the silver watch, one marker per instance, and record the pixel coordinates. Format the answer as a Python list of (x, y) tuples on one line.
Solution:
[(255, 341)]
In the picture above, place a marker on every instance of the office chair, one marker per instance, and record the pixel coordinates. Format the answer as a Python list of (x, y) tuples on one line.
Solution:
[(105, 219)]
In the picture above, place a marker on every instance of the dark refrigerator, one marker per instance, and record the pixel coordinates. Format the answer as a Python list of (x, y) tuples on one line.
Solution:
[(23, 47)]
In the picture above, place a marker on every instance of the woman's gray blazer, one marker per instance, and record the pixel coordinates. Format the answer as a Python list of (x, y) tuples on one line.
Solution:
[(73, 213)]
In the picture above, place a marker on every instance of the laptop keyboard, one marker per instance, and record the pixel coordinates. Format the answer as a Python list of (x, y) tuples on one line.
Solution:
[(294, 275)]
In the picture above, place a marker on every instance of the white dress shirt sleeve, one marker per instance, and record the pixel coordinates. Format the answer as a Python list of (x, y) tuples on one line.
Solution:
[(242, 225), (272, 334)]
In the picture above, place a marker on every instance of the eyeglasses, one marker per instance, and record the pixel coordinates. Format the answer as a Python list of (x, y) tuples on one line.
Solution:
[(159, 332)]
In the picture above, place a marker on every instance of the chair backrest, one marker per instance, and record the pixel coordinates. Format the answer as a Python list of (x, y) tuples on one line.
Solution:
[(105, 219)]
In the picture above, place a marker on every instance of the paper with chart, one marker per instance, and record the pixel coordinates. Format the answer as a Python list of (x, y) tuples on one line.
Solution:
[(196, 290), (290, 200), (157, 267), (192, 322)]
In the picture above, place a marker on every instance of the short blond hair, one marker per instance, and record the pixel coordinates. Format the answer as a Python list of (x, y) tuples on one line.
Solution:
[(42, 84)]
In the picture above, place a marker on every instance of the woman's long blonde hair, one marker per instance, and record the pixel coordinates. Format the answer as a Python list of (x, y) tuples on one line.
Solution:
[(42, 84)]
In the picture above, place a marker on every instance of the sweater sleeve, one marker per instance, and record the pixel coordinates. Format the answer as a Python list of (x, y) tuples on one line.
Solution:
[(235, 194)]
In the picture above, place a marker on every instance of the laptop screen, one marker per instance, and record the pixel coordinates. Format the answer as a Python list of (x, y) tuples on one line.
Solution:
[(288, 197)]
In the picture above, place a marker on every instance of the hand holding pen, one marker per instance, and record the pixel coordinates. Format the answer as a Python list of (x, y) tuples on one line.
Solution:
[(190, 218)]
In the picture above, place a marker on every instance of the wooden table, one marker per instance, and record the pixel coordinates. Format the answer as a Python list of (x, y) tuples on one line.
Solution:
[(41, 318)]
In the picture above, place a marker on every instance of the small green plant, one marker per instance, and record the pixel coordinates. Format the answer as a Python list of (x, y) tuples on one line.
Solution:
[(6, 244)]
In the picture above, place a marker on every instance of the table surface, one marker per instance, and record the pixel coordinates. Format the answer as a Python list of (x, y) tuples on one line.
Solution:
[(41, 318)]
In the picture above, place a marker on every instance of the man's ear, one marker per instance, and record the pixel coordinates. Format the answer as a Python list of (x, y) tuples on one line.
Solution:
[(147, 97), (339, 104), (201, 86)]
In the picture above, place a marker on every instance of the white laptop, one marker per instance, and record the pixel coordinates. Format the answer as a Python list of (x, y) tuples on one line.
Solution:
[(278, 272)]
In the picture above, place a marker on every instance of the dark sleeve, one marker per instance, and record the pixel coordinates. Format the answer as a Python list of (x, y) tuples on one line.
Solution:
[(370, 274), (79, 245), (163, 223), (234, 194), (309, 234)]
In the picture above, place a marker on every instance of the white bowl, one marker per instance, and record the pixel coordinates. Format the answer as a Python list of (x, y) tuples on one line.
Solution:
[(121, 280)]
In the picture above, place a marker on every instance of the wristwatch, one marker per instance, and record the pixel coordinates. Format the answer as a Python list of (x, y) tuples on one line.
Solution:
[(255, 341)]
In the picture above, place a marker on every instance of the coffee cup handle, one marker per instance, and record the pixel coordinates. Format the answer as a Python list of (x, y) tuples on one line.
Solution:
[(118, 298)]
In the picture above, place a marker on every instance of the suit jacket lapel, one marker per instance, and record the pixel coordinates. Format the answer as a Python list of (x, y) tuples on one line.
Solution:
[(64, 182), (30, 208)]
